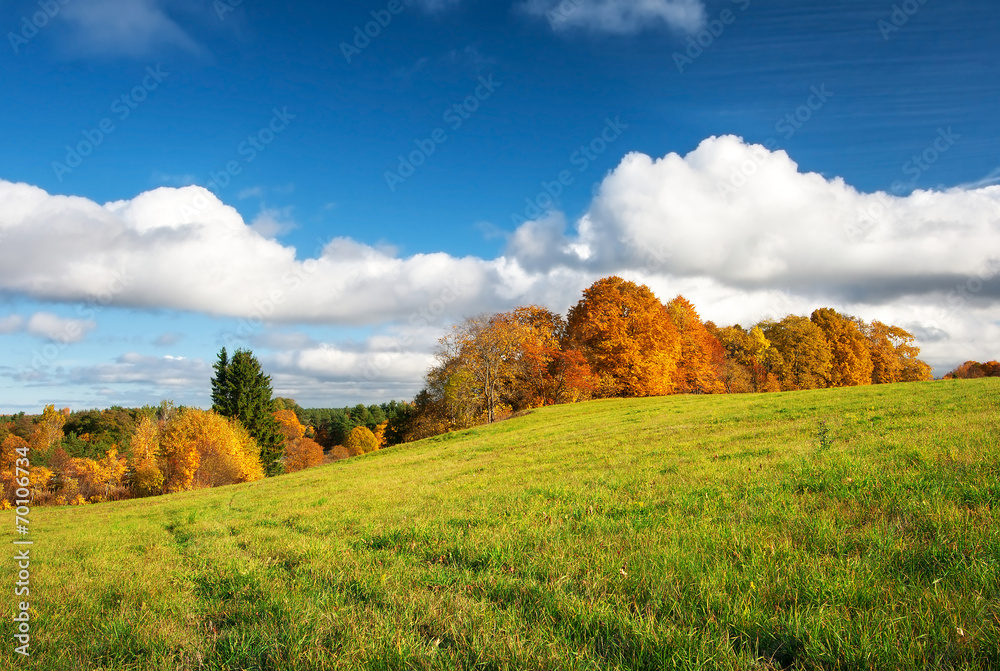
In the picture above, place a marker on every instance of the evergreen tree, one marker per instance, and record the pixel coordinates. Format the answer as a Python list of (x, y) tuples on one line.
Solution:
[(242, 391)]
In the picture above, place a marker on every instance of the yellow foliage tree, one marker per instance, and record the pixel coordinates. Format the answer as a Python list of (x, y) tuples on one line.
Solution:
[(48, 430), (851, 361), (204, 449), (289, 425), (379, 433), (894, 356), (299, 452), (361, 440), (147, 477), (802, 357)]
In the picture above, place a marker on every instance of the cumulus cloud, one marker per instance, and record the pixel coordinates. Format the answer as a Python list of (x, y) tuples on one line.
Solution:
[(183, 249), (749, 219), (48, 326), (618, 17), (738, 229), (135, 28), (271, 222)]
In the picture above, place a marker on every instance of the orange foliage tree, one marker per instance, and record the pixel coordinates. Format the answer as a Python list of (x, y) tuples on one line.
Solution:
[(702, 361), (299, 452), (894, 356), (627, 337), (971, 370)]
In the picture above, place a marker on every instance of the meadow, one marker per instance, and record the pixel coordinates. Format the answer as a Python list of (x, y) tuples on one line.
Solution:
[(851, 528)]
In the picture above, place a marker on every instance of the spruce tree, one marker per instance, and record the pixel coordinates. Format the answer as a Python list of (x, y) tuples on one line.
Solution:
[(242, 391)]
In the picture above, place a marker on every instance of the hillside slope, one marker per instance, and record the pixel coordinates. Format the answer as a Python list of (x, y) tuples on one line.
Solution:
[(677, 532)]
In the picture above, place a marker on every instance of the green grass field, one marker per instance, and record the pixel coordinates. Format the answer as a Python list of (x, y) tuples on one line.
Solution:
[(708, 532)]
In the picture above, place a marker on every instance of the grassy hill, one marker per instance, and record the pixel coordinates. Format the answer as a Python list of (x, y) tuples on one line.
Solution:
[(680, 532)]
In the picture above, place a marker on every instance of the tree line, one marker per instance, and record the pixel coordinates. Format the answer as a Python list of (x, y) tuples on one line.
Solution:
[(93, 456), (620, 340), (971, 370)]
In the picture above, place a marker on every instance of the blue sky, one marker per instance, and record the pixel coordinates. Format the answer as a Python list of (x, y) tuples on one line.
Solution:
[(243, 184)]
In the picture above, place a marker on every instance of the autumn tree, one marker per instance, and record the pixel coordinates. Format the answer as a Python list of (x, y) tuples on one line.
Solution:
[(241, 391), (361, 440), (805, 359), (482, 357), (48, 431), (894, 356), (303, 453), (971, 370), (205, 449), (299, 451), (147, 476), (851, 361), (533, 384), (627, 337), (12, 448), (702, 360)]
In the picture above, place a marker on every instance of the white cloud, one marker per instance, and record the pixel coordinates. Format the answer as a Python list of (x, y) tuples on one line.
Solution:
[(780, 242), (271, 222), (59, 329), (183, 249), (618, 17), (48, 326), (778, 229), (11, 324), (134, 28), (136, 369)]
